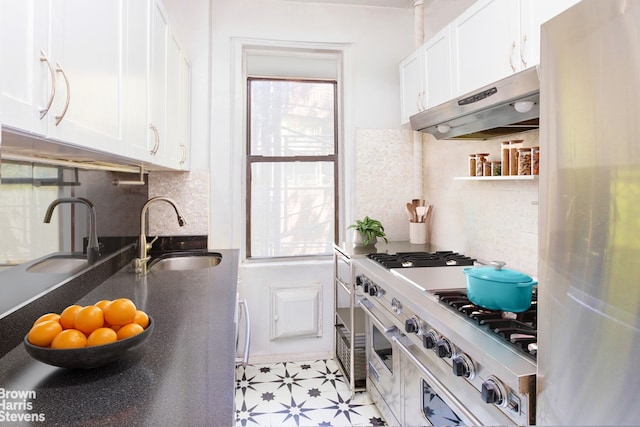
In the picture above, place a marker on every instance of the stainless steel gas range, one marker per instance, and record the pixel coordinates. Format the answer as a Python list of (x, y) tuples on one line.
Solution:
[(432, 357)]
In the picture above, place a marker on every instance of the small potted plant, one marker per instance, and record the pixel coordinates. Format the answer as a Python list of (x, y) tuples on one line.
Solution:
[(367, 231)]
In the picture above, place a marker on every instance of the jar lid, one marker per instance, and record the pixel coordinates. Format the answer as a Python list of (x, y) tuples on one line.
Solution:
[(483, 154), (524, 149), (503, 275)]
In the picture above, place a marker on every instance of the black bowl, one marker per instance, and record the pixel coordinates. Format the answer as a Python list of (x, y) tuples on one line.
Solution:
[(88, 357)]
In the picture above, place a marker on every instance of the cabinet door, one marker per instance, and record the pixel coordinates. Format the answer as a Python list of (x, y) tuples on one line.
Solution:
[(157, 100), (136, 76), (411, 86), (486, 41), (87, 44), (438, 68), (184, 159), (25, 79), (533, 14)]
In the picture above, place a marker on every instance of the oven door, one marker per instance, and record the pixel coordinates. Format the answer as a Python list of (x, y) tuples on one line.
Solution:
[(426, 399), (383, 365)]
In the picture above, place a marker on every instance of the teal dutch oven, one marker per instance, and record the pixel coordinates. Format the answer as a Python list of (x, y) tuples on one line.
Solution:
[(497, 288)]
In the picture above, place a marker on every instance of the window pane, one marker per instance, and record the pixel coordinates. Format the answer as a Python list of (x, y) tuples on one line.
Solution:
[(292, 208), (292, 118)]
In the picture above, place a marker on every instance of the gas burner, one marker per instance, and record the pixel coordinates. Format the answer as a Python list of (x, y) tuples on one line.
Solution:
[(421, 259), (518, 329)]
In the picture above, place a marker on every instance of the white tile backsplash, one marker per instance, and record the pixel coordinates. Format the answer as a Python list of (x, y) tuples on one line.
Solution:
[(492, 220), (190, 191)]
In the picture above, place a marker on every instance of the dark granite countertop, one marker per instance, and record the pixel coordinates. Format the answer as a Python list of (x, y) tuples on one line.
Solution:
[(183, 375)]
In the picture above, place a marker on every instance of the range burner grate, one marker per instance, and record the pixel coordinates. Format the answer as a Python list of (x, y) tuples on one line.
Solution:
[(421, 259), (518, 329)]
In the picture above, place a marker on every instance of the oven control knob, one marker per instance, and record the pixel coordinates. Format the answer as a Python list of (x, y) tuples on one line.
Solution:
[(429, 339), (443, 348), (373, 289), (412, 325), (463, 366), (493, 391)]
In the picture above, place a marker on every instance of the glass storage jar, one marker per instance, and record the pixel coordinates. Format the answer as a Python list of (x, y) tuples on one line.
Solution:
[(535, 160), (513, 156), (524, 161), (481, 158), (486, 168), (496, 168), (472, 165), (506, 153)]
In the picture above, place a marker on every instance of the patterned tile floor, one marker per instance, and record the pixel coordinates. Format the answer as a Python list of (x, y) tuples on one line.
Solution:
[(300, 394)]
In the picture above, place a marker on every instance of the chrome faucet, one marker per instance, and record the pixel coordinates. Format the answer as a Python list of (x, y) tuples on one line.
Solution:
[(140, 263), (93, 250)]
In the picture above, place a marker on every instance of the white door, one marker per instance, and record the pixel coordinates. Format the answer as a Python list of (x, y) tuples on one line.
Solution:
[(25, 78), (486, 44)]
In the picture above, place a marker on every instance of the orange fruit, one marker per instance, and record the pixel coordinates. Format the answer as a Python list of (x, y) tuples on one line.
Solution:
[(41, 334), (141, 319), (129, 330), (88, 319), (102, 303), (48, 316), (102, 336), (120, 312), (68, 316), (69, 338)]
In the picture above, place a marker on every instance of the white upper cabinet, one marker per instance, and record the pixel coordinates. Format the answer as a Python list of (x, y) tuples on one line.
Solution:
[(426, 76), (411, 86), (27, 70), (157, 100), (61, 75), (136, 71), (486, 45), (534, 13), (489, 41), (87, 46), (101, 76), (439, 65)]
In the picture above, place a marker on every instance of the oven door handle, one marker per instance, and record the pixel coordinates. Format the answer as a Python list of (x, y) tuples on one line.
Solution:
[(386, 329), (441, 389)]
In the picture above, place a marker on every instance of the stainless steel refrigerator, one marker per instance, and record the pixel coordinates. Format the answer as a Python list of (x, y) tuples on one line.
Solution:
[(589, 234)]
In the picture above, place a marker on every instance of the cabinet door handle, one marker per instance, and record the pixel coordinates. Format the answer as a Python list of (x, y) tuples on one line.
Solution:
[(183, 150), (522, 46), (59, 117), (513, 50), (247, 336), (52, 78), (156, 139)]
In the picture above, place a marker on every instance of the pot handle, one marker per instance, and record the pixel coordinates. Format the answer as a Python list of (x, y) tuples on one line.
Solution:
[(496, 264)]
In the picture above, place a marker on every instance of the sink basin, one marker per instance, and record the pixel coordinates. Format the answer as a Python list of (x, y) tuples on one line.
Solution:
[(186, 261), (59, 264)]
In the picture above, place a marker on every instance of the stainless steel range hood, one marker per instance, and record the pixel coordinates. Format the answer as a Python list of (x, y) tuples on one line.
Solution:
[(488, 112)]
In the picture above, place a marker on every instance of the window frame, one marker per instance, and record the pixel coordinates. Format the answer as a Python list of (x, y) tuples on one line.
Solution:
[(251, 158)]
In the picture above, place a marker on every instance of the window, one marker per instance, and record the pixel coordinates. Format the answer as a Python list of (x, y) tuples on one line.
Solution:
[(292, 167)]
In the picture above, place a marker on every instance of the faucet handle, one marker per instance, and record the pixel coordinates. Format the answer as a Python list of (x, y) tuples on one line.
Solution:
[(139, 263), (150, 244)]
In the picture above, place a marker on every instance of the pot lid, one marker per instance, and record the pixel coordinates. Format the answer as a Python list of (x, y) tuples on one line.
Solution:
[(503, 275)]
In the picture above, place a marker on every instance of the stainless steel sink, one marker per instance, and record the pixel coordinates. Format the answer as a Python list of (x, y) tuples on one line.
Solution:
[(185, 261), (60, 264)]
